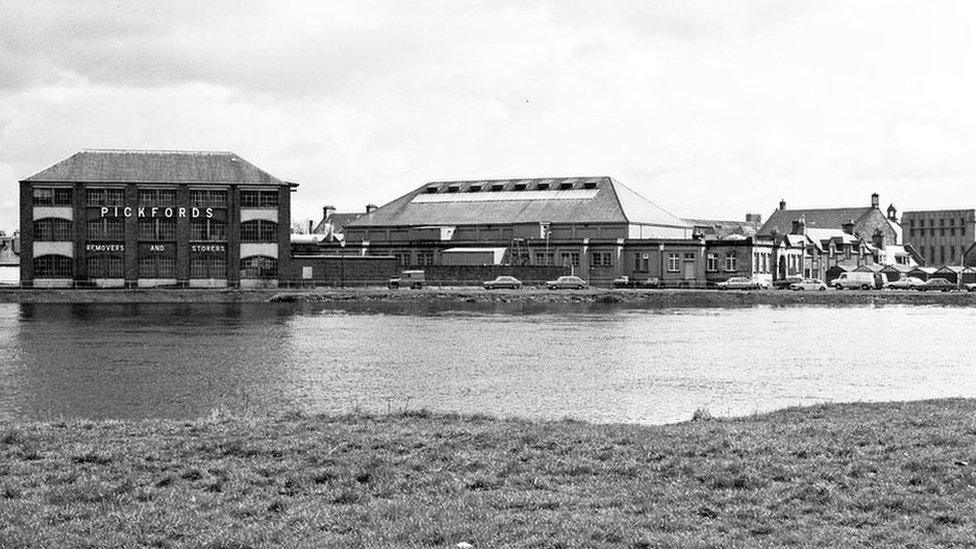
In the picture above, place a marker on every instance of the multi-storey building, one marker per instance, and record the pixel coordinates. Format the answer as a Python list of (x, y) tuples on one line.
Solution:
[(941, 236), (120, 218)]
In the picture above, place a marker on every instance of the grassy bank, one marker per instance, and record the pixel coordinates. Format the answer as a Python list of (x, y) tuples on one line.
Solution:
[(465, 295), (897, 474)]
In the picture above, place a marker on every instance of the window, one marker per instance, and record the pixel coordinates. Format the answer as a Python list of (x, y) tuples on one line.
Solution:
[(942, 231), (157, 228), (962, 229), (53, 266), (207, 229), (674, 263), (259, 230), (756, 263), (642, 262), (952, 231), (711, 263), (106, 228), (104, 197), (259, 267), (602, 259), (260, 199), (765, 262), (425, 258), (52, 229), (942, 222), (544, 258), (208, 266), (952, 254), (911, 223), (157, 197), (105, 266), (731, 263), (571, 259), (942, 254), (403, 259), (52, 196), (208, 197), (157, 267)]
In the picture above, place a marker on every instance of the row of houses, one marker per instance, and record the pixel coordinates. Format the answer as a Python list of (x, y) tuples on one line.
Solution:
[(121, 218)]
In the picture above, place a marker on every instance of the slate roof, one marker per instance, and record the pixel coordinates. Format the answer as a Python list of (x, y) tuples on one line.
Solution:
[(512, 201), (717, 228), (781, 221), (338, 221), (137, 166)]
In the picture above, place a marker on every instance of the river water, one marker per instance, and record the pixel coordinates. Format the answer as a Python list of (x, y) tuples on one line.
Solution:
[(599, 363)]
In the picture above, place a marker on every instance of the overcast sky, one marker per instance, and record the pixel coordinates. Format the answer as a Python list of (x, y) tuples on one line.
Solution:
[(710, 109)]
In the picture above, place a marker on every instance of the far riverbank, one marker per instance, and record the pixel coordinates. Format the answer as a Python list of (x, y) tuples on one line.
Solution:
[(466, 295), (851, 475)]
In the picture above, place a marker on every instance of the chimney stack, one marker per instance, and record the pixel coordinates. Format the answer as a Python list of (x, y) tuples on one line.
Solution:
[(874, 200), (799, 226), (848, 227), (309, 226), (371, 208), (754, 218), (782, 204), (892, 213), (327, 211)]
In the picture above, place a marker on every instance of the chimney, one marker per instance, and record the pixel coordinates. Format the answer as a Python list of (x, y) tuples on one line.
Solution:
[(309, 226), (799, 226), (782, 204), (754, 218), (848, 227), (371, 208), (874, 200), (892, 213), (327, 211)]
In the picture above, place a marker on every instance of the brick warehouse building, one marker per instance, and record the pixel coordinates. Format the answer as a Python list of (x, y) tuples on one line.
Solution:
[(121, 218), (595, 226)]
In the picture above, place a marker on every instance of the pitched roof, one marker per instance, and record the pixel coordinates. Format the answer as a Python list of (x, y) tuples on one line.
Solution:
[(338, 221), (781, 221), (511, 201), (135, 166), (718, 228)]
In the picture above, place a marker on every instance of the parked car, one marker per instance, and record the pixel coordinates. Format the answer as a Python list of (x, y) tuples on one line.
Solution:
[(787, 282), (407, 279), (628, 282), (809, 284), (971, 287), (937, 285), (509, 282), (859, 281), (741, 283), (566, 283), (906, 283)]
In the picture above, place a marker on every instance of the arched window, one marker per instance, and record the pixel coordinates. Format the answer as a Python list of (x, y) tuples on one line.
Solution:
[(53, 266), (54, 229), (259, 267), (259, 230), (106, 228), (105, 266)]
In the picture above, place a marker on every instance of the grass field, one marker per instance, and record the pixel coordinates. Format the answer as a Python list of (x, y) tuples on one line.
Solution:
[(894, 474)]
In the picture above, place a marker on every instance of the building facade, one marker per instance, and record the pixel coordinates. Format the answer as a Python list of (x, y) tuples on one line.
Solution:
[(595, 226), (111, 218), (940, 236)]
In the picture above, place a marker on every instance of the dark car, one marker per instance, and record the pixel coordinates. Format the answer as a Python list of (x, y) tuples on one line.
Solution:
[(509, 282), (786, 283), (936, 285)]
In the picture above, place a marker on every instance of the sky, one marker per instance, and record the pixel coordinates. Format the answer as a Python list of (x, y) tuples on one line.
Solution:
[(709, 109)]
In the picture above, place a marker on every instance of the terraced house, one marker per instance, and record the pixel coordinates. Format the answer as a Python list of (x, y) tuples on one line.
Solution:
[(125, 218), (596, 226)]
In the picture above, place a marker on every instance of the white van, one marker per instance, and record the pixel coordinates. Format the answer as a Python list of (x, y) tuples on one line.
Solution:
[(864, 281)]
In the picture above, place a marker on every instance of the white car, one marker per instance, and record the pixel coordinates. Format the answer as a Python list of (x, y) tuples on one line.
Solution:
[(809, 284), (742, 283), (907, 283)]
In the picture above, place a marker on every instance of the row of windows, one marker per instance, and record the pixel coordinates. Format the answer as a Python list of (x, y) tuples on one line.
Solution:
[(112, 228), (112, 266), (942, 231), (942, 257), (942, 222), (731, 262), (55, 196)]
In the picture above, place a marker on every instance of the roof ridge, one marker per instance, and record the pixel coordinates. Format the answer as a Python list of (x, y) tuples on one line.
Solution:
[(475, 180), (155, 151)]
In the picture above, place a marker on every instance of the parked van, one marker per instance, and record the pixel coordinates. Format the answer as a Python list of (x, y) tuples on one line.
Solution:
[(863, 281)]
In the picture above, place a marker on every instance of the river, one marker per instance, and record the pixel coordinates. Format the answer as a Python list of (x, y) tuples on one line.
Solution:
[(596, 363)]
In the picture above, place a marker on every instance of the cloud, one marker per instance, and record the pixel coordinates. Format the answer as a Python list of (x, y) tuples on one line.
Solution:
[(708, 108)]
